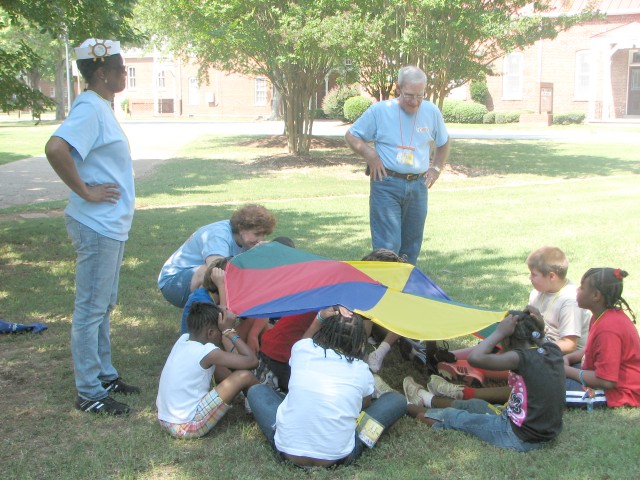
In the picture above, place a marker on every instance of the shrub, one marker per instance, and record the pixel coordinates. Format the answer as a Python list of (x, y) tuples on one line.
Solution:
[(512, 117), (479, 92), (354, 107), (333, 103), (456, 111), (489, 117), (568, 118), (319, 114), (507, 117)]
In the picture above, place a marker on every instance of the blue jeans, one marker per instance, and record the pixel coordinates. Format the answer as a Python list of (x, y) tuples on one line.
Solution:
[(493, 429), (178, 287), (397, 213), (98, 260), (264, 402)]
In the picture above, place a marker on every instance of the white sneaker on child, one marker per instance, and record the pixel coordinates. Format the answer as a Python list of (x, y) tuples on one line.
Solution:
[(411, 391), (441, 388), (380, 386)]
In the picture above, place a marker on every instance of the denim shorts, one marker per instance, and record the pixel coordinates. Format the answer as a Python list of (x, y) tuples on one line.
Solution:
[(178, 287)]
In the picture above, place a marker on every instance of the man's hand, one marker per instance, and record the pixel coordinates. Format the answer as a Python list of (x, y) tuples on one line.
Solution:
[(430, 177), (376, 167)]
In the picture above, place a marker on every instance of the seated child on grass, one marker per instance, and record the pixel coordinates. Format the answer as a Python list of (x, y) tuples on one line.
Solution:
[(611, 358), (533, 416), (207, 293), (276, 342), (315, 424), (566, 324), (187, 407), (213, 291)]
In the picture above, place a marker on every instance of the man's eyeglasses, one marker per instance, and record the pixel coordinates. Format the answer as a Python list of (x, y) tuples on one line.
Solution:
[(412, 97)]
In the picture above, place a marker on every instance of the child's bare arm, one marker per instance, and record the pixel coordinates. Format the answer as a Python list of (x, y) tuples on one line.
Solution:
[(217, 276), (253, 338), (482, 357), (245, 359), (567, 344), (323, 314)]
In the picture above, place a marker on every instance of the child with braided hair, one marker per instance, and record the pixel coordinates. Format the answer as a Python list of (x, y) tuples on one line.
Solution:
[(330, 384), (187, 407), (611, 357), (533, 415)]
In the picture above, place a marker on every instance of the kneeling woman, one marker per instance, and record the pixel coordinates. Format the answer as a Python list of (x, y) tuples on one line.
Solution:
[(315, 424)]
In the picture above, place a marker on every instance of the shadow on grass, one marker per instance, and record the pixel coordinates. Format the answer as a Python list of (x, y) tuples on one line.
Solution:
[(8, 157), (503, 157), (474, 158)]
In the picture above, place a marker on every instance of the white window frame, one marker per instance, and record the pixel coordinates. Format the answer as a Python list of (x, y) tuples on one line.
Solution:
[(583, 75), (194, 91), (161, 79), (260, 92), (512, 76), (131, 77)]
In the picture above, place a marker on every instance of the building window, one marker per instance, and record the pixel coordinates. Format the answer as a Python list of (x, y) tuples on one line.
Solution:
[(131, 77), (583, 75), (635, 57), (512, 77), (161, 79), (261, 91), (52, 92), (194, 91)]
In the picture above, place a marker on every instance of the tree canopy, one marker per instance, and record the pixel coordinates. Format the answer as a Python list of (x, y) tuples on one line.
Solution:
[(453, 41), (294, 44), (76, 19)]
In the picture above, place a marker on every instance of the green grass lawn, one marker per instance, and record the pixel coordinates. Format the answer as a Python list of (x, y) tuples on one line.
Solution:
[(498, 201)]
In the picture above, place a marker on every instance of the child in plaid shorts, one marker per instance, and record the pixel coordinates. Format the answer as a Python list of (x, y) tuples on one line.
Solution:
[(187, 407)]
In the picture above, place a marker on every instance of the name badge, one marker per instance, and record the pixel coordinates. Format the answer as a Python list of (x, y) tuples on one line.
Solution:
[(405, 155)]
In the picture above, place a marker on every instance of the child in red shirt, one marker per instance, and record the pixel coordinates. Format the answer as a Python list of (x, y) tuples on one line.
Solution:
[(611, 357)]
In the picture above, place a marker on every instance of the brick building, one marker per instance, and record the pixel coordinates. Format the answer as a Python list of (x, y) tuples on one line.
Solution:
[(168, 86), (593, 68)]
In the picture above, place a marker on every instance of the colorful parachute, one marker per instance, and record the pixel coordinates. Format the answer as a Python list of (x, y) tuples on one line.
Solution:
[(272, 280)]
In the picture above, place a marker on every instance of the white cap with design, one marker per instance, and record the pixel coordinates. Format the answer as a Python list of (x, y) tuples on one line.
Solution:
[(94, 48)]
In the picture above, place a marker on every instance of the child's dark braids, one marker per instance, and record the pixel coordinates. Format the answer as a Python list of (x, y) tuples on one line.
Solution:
[(529, 328), (608, 281), (344, 335)]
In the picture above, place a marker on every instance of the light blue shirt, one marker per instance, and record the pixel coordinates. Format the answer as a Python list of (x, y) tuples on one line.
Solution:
[(213, 239), (386, 124), (100, 151)]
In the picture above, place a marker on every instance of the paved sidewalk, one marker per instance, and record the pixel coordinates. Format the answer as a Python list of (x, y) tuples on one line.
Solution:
[(33, 180)]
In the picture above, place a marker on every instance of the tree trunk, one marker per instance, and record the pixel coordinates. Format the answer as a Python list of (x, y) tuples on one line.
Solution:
[(60, 85), (276, 105)]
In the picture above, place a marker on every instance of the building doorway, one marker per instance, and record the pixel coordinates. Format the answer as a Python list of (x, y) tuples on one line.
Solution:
[(633, 101)]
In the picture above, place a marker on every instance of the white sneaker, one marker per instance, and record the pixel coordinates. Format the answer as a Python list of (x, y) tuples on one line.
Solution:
[(441, 388), (380, 386), (411, 389), (375, 361)]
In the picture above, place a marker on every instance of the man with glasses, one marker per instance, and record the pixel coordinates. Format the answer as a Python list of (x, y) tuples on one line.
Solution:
[(411, 146)]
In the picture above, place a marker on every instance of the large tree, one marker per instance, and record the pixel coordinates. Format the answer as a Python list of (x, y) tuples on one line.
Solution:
[(73, 19), (453, 41), (295, 44)]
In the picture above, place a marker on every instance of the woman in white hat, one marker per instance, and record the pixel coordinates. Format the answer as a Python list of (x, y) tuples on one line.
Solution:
[(91, 154)]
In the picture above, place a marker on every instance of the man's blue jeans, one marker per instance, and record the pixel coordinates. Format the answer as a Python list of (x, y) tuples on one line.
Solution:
[(397, 213), (97, 270), (264, 402)]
